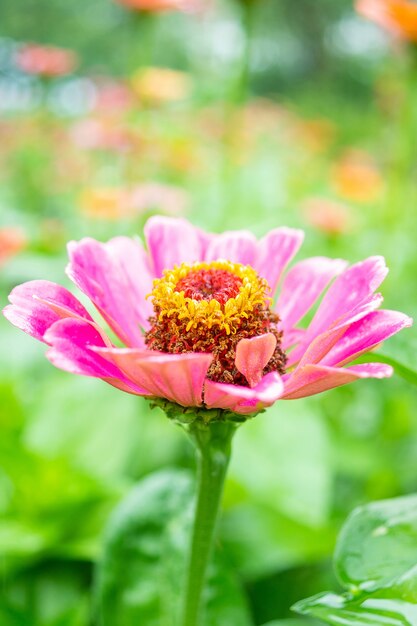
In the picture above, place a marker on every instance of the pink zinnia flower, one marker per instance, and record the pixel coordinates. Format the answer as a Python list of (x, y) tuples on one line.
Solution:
[(101, 134), (47, 61), (208, 335), (160, 6), (328, 216)]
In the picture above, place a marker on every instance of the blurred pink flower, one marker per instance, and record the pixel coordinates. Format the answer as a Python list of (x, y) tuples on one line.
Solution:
[(397, 16), (209, 335), (12, 241), (328, 216), (159, 197), (46, 61), (113, 96), (101, 134)]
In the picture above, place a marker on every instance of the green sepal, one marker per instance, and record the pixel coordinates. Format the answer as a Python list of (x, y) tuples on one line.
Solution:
[(187, 415)]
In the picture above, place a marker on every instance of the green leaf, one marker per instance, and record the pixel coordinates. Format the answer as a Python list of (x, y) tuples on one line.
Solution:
[(292, 622), (92, 434), (378, 543), (140, 579), (279, 490), (376, 561), (53, 593), (369, 610), (278, 467)]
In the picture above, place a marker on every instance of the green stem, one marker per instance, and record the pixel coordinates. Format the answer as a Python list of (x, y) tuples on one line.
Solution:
[(143, 33), (242, 82), (401, 189), (213, 447)]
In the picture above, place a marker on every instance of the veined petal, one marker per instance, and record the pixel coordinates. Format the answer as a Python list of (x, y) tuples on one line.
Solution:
[(303, 285), (366, 334), (176, 377), (243, 400), (235, 246), (347, 300), (292, 337), (116, 277), (172, 241), (72, 344), (312, 379), (315, 350), (252, 356), (37, 304), (275, 251), (353, 287)]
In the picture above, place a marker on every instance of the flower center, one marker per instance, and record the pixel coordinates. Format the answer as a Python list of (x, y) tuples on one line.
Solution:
[(210, 307), (210, 284)]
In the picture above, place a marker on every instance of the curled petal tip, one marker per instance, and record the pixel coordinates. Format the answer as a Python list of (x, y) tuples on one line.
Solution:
[(252, 356)]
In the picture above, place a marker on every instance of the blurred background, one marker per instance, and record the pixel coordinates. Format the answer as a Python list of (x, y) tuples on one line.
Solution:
[(236, 114)]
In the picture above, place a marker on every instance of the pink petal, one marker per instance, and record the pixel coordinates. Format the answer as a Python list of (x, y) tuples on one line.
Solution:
[(275, 251), (72, 344), (313, 379), (243, 400), (348, 299), (235, 246), (315, 350), (116, 277), (350, 289), (291, 337), (37, 304), (176, 377), (137, 270), (303, 285), (252, 356), (366, 334), (172, 241)]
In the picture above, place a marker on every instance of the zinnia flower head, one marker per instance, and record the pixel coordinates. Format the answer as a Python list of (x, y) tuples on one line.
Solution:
[(198, 320), (115, 203), (328, 216), (108, 203), (159, 85), (101, 134), (12, 241), (356, 177), (160, 6), (397, 16), (47, 61)]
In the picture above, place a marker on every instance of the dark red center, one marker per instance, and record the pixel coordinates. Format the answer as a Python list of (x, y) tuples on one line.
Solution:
[(211, 284)]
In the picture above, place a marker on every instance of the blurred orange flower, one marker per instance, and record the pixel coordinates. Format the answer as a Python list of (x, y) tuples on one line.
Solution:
[(356, 177), (158, 6), (328, 216), (316, 135), (46, 61), (12, 241), (158, 85), (109, 203), (397, 16), (114, 203)]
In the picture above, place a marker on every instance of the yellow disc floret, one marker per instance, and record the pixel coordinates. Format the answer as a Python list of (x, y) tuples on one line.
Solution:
[(216, 294)]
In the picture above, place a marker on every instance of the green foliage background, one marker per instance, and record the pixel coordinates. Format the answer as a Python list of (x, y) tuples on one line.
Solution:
[(72, 449)]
